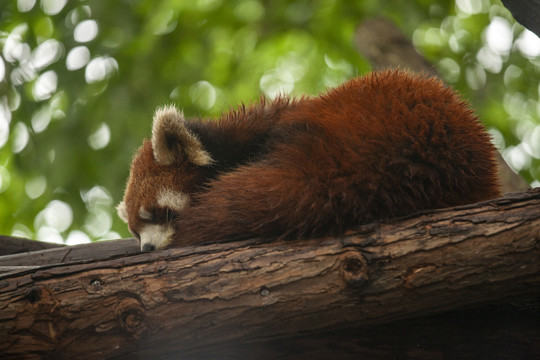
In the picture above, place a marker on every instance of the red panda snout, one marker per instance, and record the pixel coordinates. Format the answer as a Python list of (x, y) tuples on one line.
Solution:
[(152, 223), (155, 236)]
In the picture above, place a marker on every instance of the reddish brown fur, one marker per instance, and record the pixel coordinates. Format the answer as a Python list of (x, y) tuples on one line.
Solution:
[(384, 145)]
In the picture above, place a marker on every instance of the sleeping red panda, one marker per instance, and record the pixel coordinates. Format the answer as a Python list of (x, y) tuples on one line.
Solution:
[(379, 146)]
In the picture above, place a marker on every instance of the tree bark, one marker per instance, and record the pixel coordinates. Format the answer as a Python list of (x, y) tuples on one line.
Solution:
[(224, 299), (13, 245), (385, 46), (58, 254)]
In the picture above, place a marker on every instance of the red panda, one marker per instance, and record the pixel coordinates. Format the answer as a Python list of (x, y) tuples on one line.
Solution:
[(380, 146)]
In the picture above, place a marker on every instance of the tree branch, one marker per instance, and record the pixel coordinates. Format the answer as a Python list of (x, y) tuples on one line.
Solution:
[(13, 245), (188, 300)]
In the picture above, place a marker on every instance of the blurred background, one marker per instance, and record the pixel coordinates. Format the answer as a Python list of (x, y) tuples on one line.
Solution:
[(79, 82)]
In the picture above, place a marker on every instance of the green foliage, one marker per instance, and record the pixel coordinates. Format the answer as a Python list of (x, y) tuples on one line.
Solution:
[(79, 82)]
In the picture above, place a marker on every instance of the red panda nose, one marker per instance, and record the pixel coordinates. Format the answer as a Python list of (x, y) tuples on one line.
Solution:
[(148, 247)]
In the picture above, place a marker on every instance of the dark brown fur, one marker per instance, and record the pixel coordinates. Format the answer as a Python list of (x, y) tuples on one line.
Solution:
[(384, 145)]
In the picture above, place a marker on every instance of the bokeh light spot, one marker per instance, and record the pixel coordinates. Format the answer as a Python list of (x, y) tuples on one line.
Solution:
[(5, 119), (100, 68), (100, 138), (55, 218), (20, 137), (77, 58), (35, 187), (203, 95), (499, 36), (77, 237), (45, 85), (5, 179), (25, 5), (86, 31), (2, 69), (52, 7), (528, 44), (46, 53)]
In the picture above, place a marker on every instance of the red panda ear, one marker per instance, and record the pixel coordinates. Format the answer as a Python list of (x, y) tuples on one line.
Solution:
[(171, 139), (122, 211)]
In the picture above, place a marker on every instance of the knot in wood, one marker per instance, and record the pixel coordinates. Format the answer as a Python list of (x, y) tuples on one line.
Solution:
[(354, 269), (96, 284), (264, 291), (3, 284), (33, 294), (131, 315)]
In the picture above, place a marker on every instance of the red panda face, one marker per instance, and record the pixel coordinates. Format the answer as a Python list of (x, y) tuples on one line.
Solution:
[(163, 174)]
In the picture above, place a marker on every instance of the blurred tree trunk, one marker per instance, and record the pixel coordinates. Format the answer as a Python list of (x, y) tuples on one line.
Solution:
[(292, 299), (385, 46), (527, 12)]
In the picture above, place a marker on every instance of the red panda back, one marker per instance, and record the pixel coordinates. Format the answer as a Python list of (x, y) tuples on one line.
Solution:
[(408, 142)]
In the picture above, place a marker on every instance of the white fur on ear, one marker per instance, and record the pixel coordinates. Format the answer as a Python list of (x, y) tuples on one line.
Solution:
[(122, 211), (170, 137)]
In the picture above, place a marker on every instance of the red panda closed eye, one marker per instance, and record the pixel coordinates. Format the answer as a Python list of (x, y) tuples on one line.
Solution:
[(379, 146)]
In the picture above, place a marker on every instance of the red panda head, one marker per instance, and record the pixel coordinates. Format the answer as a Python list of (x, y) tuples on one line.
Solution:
[(163, 174)]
